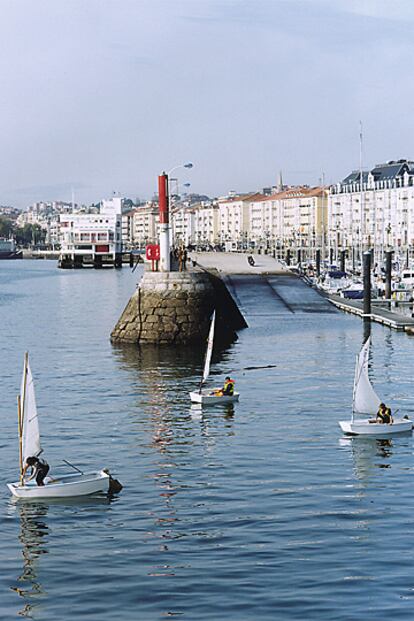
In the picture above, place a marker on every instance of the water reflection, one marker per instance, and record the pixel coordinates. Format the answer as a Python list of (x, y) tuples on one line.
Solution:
[(150, 357), (33, 537), (369, 454), (197, 412), (175, 362), (367, 329)]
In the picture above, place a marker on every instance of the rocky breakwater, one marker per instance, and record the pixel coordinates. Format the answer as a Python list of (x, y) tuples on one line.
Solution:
[(175, 308)]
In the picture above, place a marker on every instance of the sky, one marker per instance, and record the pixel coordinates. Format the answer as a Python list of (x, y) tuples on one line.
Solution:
[(100, 96)]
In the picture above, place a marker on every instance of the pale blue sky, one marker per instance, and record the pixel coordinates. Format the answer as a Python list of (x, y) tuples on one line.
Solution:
[(101, 95)]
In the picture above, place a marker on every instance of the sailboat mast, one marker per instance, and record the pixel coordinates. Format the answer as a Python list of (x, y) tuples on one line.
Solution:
[(356, 380), (22, 400), (20, 428), (361, 197), (209, 351)]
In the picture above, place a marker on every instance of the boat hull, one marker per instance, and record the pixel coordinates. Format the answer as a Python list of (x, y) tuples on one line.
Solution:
[(206, 398), (13, 254), (67, 486), (364, 428)]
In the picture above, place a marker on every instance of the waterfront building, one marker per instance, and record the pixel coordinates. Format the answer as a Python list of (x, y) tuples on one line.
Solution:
[(127, 229), (296, 217), (145, 225), (265, 217), (182, 224), (52, 230), (304, 217), (378, 213), (206, 224), (234, 221), (92, 238)]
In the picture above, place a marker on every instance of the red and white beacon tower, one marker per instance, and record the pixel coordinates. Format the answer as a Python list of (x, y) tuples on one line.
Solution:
[(165, 262)]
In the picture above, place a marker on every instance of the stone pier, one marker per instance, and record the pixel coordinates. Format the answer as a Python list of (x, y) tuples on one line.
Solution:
[(175, 308)]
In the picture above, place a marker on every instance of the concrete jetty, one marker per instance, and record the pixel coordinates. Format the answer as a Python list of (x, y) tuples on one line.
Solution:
[(236, 263), (175, 308)]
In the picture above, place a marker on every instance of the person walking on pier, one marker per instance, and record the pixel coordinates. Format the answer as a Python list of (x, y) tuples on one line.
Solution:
[(182, 259)]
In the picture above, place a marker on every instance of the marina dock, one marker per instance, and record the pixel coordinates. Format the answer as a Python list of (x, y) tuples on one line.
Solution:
[(378, 314)]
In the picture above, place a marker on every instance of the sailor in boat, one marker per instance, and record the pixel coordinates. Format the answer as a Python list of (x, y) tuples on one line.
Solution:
[(39, 467), (384, 416), (227, 390), (387, 418)]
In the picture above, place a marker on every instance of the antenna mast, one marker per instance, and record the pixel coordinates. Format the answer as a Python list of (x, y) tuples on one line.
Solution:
[(361, 197)]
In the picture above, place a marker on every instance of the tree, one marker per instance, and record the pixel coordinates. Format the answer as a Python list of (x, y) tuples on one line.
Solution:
[(6, 227), (30, 234)]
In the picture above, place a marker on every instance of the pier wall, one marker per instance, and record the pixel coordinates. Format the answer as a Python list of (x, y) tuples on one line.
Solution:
[(175, 308)]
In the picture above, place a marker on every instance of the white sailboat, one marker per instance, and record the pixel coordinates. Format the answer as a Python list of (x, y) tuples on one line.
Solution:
[(366, 401), (207, 396), (66, 486)]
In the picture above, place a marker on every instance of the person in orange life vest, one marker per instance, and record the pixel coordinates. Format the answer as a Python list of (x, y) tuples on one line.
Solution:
[(227, 390), (228, 387)]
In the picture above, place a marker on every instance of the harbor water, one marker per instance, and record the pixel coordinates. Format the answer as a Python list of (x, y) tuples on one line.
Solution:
[(261, 511)]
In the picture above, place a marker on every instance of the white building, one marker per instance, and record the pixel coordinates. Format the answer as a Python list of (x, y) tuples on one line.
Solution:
[(92, 238), (295, 217), (206, 225), (53, 230), (127, 229), (304, 216), (234, 221), (265, 221), (379, 213), (145, 225), (182, 225)]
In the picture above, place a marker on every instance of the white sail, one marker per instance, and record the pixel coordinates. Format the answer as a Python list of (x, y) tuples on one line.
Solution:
[(29, 419), (209, 351), (366, 401)]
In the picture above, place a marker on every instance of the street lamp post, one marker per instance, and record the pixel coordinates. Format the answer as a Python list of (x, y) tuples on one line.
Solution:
[(163, 201)]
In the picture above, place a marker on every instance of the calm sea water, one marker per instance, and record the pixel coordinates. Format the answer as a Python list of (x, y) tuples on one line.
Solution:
[(264, 512)]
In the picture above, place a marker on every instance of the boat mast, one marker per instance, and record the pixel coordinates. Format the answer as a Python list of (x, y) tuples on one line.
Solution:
[(21, 402), (356, 380), (20, 428), (361, 196), (209, 351)]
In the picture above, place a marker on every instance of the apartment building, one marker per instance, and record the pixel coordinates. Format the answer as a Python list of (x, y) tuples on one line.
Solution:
[(379, 211), (145, 225), (234, 221), (294, 217)]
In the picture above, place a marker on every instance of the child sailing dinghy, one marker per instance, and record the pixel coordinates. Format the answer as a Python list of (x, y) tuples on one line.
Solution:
[(210, 396), (66, 486), (366, 401)]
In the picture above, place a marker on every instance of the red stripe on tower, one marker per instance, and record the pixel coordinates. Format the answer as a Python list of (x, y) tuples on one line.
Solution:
[(163, 198)]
